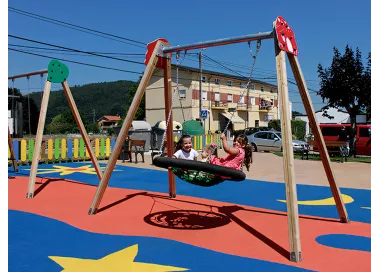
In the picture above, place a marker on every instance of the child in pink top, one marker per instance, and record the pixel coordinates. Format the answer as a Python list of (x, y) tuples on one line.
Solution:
[(239, 154)]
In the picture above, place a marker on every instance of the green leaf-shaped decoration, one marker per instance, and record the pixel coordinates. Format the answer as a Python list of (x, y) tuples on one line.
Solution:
[(57, 72)]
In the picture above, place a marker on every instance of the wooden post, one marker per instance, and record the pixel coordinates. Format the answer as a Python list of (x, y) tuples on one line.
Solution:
[(124, 130), (13, 158), (288, 159), (37, 146), (169, 130), (318, 136), (81, 127)]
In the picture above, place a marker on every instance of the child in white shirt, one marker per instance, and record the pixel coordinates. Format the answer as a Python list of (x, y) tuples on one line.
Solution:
[(184, 149)]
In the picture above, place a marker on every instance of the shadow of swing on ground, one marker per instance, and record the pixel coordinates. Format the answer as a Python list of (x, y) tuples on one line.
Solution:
[(199, 220), (187, 220)]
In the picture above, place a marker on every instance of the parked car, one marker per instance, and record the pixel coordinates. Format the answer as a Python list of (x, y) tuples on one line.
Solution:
[(330, 132), (272, 141), (250, 130)]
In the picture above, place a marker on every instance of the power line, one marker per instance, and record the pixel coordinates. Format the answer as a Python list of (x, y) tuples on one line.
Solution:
[(243, 76), (65, 24), (115, 69), (61, 23), (77, 62), (74, 50), (75, 27), (223, 66), (272, 72), (104, 67), (65, 50)]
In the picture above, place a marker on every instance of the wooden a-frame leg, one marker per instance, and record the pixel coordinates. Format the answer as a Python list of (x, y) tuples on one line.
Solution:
[(288, 159), (81, 127), (124, 130), (318, 136), (169, 130), (13, 158), (37, 146)]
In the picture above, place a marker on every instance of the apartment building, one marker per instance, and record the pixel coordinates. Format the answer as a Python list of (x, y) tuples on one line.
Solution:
[(220, 95)]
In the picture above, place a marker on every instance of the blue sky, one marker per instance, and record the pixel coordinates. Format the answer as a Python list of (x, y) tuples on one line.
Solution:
[(318, 26)]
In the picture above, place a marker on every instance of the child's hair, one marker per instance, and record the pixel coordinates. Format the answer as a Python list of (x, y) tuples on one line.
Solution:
[(210, 147), (243, 140), (178, 146)]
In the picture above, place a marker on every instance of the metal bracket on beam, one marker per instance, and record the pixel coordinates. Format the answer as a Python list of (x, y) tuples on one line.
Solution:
[(161, 53)]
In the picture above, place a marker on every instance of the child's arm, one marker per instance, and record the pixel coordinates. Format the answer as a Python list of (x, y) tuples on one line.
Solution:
[(227, 148)]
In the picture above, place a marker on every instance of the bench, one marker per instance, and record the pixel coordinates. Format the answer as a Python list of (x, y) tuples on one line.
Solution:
[(332, 147), (135, 146)]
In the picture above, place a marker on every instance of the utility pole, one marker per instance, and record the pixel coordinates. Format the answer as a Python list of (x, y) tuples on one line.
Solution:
[(200, 84), (93, 117)]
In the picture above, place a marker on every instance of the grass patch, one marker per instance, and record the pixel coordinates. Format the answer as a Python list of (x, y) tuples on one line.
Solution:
[(334, 158)]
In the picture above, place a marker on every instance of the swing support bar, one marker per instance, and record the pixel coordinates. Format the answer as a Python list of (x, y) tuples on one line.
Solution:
[(219, 42), (284, 40), (28, 74)]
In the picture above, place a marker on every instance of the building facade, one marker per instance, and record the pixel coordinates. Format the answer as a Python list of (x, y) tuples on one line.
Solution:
[(220, 96)]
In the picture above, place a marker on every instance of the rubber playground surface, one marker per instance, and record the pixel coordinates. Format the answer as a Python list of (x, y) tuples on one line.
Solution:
[(234, 226)]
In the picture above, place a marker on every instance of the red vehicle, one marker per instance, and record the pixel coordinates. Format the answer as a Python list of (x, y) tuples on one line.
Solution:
[(330, 132)]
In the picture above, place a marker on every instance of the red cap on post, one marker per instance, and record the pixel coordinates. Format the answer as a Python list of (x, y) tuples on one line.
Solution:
[(148, 55), (285, 36)]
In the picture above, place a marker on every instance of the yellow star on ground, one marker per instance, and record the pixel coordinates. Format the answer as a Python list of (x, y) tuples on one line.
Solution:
[(323, 202), (119, 261), (64, 170)]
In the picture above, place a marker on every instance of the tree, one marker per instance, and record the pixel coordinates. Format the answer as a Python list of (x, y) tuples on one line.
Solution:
[(140, 114), (64, 123), (346, 84), (296, 113), (94, 128), (298, 127)]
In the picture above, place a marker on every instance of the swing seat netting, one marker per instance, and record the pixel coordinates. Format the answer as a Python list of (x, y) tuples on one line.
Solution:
[(199, 173)]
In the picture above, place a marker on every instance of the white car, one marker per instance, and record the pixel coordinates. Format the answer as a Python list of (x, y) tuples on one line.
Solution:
[(272, 141)]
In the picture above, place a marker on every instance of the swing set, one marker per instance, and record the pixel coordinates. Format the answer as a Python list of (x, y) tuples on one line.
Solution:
[(27, 75), (159, 55), (200, 173)]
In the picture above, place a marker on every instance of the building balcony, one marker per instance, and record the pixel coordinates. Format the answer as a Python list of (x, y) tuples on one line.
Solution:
[(265, 105), (265, 109), (243, 107), (219, 105)]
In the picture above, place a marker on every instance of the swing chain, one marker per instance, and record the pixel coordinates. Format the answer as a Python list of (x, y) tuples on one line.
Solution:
[(175, 90), (179, 98), (258, 45)]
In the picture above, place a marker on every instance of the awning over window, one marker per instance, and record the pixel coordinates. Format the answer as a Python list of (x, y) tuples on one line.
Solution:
[(235, 119)]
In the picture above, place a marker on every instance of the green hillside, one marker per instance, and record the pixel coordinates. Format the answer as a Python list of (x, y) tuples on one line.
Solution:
[(106, 98)]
